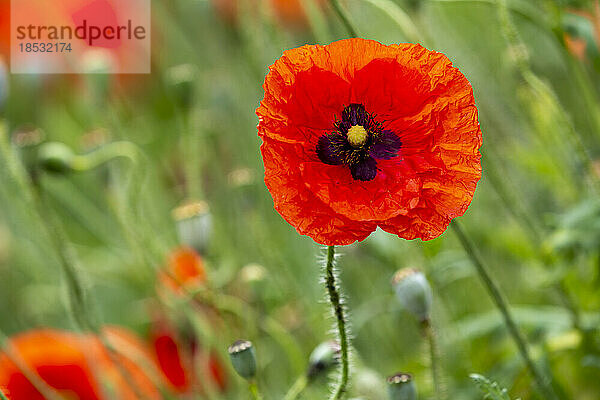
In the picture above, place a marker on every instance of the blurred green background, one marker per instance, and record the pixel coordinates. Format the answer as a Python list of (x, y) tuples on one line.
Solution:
[(535, 216)]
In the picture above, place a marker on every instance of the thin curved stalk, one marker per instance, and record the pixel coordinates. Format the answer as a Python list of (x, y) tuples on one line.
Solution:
[(494, 290), (434, 355), (400, 17), (343, 14), (338, 311), (297, 388)]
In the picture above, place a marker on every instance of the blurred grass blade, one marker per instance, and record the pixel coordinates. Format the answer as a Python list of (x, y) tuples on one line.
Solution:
[(317, 21)]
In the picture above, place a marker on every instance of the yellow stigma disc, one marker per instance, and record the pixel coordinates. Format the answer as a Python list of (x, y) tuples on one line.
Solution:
[(357, 135)]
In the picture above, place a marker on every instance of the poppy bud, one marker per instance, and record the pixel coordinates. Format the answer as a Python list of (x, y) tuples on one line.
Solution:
[(401, 387), (56, 157), (181, 82), (413, 292), (243, 358), (27, 140), (194, 225), (253, 273), (323, 357)]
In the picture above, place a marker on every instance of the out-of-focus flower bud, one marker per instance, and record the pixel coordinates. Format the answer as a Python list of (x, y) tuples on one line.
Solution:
[(27, 140), (401, 387), (253, 273), (56, 157), (241, 177), (194, 225), (413, 292), (181, 83), (581, 34), (184, 272), (368, 384), (243, 358), (323, 358)]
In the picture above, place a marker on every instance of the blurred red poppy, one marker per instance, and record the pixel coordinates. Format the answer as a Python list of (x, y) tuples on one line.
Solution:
[(182, 362), (71, 364), (184, 271)]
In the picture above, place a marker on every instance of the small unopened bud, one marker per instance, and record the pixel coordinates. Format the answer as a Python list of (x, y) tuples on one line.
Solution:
[(181, 82), (56, 157), (368, 384), (27, 140), (194, 225), (323, 358), (401, 387), (243, 358), (253, 273), (413, 292)]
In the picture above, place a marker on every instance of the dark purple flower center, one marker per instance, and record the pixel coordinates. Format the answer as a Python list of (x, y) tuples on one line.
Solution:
[(358, 141)]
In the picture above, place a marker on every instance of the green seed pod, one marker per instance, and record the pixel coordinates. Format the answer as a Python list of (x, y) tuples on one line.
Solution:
[(181, 83), (413, 292), (56, 157), (323, 358), (194, 225), (243, 358), (401, 387)]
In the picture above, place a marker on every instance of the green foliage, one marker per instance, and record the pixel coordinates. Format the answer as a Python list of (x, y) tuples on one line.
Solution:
[(191, 124), (492, 390)]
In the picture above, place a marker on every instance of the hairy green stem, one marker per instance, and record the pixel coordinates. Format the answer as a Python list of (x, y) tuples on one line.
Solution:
[(343, 14), (434, 355), (297, 388), (338, 310), (494, 290)]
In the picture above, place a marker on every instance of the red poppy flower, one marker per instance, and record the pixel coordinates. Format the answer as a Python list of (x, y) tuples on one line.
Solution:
[(72, 365), (176, 357), (358, 135), (185, 270)]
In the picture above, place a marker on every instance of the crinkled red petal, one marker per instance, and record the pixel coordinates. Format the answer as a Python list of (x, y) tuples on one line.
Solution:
[(414, 92)]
